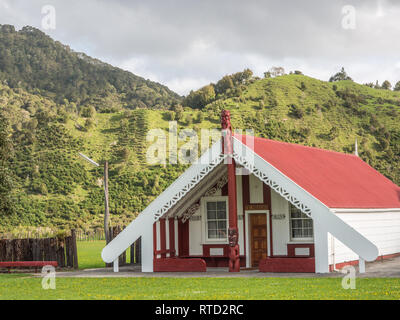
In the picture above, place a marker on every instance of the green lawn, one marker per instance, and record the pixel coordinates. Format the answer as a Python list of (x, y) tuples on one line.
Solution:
[(89, 254), (24, 287), (20, 286)]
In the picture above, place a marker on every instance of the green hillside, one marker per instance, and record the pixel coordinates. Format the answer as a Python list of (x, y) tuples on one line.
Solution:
[(31, 60), (54, 187)]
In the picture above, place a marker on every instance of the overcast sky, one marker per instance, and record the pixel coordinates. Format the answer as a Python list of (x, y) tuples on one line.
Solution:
[(186, 44)]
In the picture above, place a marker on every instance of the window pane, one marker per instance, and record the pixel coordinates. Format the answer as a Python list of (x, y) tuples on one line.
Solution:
[(296, 223), (211, 215), (221, 205), (221, 215), (222, 225), (212, 234), (222, 234), (212, 225), (211, 206)]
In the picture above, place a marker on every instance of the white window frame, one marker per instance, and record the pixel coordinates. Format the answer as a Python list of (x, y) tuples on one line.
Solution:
[(204, 233), (303, 239)]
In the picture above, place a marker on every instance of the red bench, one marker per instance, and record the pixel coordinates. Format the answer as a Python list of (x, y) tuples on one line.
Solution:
[(27, 264)]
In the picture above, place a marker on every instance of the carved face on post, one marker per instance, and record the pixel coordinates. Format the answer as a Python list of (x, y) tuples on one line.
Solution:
[(225, 120), (232, 237)]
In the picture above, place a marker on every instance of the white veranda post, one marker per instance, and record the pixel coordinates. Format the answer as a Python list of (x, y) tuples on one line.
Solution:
[(147, 250), (321, 247)]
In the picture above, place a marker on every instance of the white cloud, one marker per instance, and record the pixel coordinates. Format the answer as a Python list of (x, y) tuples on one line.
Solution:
[(186, 43)]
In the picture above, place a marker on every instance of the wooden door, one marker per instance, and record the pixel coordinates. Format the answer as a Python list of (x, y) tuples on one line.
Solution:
[(258, 242)]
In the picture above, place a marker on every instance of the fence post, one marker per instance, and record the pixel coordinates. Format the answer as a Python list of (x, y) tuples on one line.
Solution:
[(75, 249)]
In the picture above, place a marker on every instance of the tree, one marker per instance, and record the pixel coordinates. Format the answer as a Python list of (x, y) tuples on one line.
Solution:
[(200, 117), (386, 85), (88, 112), (296, 112), (6, 183), (340, 76), (179, 112), (397, 86), (224, 84), (200, 98), (267, 75)]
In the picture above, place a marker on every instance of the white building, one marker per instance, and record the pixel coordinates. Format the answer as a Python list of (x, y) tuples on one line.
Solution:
[(298, 209)]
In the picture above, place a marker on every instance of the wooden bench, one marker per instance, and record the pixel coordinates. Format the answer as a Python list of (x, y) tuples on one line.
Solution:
[(27, 264)]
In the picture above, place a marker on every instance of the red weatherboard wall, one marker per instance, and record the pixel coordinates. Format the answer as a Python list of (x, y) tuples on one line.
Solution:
[(338, 180)]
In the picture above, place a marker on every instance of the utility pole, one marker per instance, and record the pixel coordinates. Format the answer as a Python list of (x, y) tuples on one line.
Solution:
[(106, 204)]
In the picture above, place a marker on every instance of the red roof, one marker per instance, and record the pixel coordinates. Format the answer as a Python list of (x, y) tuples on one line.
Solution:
[(336, 179)]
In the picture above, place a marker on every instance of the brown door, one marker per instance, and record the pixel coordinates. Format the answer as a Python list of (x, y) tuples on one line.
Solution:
[(258, 238)]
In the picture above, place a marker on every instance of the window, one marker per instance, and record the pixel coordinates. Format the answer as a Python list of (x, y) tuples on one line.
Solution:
[(301, 226), (216, 224)]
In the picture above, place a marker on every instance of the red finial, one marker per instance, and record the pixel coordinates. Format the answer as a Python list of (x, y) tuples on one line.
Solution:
[(226, 120)]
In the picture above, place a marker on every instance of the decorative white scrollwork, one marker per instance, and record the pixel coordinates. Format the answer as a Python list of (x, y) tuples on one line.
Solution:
[(275, 186), (210, 192), (189, 186)]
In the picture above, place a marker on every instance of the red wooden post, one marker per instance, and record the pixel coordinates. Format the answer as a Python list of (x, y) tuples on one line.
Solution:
[(163, 238), (227, 146), (171, 226)]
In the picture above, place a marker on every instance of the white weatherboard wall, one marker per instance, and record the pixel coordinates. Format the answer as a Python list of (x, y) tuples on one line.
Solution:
[(195, 236), (256, 190), (239, 195), (280, 228), (381, 227)]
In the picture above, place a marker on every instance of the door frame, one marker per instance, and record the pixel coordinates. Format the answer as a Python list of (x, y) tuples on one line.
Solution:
[(248, 236)]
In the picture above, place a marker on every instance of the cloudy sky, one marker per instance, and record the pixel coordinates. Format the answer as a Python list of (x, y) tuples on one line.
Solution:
[(186, 44)]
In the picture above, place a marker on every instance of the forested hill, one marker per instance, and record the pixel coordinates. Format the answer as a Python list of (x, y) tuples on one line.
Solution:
[(53, 186), (31, 60)]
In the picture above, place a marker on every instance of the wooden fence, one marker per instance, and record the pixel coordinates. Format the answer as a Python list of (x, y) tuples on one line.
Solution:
[(62, 250)]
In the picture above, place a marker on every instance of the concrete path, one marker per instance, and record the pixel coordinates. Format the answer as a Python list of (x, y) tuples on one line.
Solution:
[(379, 269)]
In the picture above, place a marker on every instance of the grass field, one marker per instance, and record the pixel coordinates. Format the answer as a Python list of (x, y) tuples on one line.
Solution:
[(89, 254), (24, 287)]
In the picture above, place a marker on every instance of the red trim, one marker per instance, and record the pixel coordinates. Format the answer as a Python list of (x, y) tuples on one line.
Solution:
[(224, 190), (171, 227), (291, 247), (246, 201), (179, 265), (183, 238), (287, 265), (267, 201), (232, 195), (355, 262), (163, 238)]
